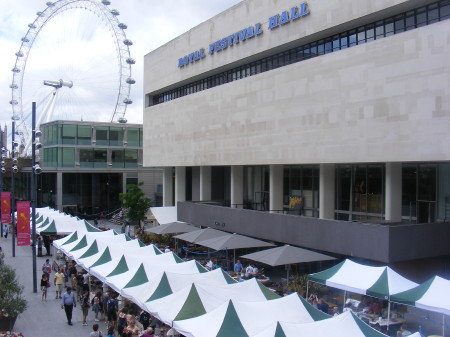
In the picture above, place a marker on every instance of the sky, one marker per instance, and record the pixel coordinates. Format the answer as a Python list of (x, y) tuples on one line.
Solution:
[(77, 45)]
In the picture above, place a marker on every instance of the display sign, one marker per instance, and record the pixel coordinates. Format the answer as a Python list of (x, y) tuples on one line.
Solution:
[(244, 34), (6, 207), (23, 223)]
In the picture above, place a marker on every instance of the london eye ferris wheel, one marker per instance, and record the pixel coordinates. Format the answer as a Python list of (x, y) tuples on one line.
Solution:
[(74, 62)]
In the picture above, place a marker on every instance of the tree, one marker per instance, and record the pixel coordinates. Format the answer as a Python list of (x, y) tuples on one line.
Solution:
[(11, 301), (136, 202)]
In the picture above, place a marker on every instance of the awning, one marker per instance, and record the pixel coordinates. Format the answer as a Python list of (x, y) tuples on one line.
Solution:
[(201, 235), (172, 227), (283, 255), (233, 241), (164, 214)]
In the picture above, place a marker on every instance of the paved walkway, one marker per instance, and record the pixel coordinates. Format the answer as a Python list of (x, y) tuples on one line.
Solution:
[(43, 319)]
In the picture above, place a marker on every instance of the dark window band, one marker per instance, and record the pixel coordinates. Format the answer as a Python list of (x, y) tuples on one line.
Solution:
[(412, 19)]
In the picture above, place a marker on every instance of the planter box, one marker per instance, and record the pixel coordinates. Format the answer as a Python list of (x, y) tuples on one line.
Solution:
[(7, 323)]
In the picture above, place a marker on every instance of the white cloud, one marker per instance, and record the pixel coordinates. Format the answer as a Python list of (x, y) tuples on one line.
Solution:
[(87, 56)]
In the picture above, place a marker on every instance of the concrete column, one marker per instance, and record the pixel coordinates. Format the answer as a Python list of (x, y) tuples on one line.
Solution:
[(180, 184), (205, 183), (237, 186), (327, 191), (393, 200), (167, 186), (59, 191), (124, 182), (276, 188)]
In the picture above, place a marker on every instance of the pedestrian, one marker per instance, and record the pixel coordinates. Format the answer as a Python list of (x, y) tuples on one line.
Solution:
[(5, 230), (95, 332), (86, 281), (47, 268), (73, 282), (39, 245), (96, 304), (111, 332), (59, 283), (68, 302), (238, 267), (112, 311), (44, 287), (96, 223), (47, 245), (122, 321), (144, 319), (85, 305), (79, 286), (105, 299), (148, 333)]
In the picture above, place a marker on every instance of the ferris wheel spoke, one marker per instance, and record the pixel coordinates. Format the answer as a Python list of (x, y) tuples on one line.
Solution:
[(81, 41)]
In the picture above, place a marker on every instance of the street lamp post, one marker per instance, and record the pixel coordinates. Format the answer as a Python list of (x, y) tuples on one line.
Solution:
[(13, 201), (34, 170)]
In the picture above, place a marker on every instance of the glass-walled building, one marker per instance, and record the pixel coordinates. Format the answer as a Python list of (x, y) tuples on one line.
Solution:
[(86, 165)]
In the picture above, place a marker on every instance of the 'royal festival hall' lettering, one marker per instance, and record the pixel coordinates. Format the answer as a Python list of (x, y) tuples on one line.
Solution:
[(192, 57), (233, 39), (247, 33), (288, 16)]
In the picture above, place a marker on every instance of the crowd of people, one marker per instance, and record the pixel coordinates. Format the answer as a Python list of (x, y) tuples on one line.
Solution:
[(72, 288)]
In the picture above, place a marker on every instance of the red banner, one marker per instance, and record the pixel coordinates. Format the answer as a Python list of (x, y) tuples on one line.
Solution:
[(6, 207), (23, 223)]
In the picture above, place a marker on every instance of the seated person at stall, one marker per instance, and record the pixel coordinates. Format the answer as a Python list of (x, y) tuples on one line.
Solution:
[(403, 331), (347, 307), (322, 305), (375, 308)]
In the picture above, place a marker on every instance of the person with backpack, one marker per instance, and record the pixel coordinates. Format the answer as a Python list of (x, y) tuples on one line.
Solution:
[(122, 322), (112, 311), (144, 319)]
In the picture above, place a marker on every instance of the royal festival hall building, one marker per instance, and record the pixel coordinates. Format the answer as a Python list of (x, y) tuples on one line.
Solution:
[(318, 124)]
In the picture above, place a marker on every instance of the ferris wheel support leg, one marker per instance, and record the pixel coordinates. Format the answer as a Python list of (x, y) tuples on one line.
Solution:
[(50, 105)]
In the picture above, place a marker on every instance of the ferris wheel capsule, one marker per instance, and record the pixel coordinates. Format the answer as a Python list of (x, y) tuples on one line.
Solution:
[(14, 86), (39, 13), (106, 2), (131, 60), (25, 39), (13, 102), (122, 120), (127, 42), (31, 25), (115, 12), (128, 101), (19, 54), (130, 80), (50, 4), (123, 26), (15, 70)]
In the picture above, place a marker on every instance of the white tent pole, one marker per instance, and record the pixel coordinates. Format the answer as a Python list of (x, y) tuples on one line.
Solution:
[(345, 296), (443, 325), (389, 315)]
